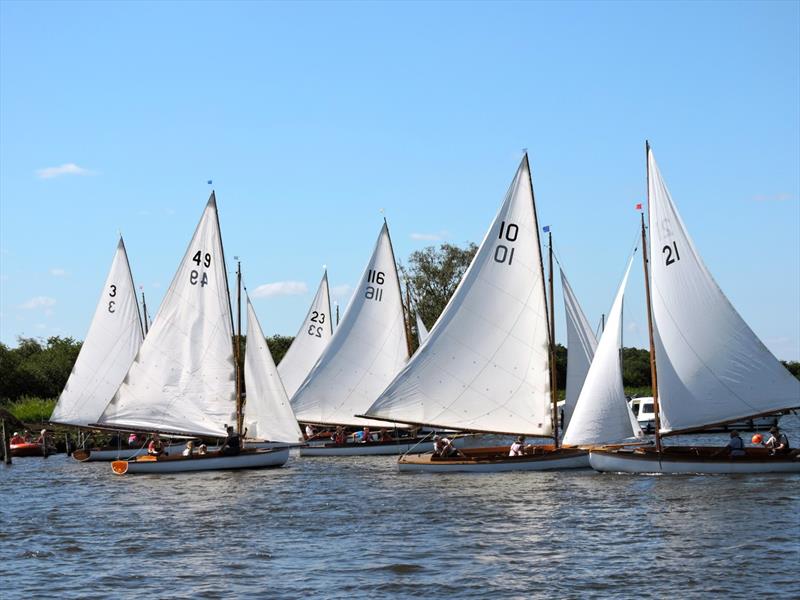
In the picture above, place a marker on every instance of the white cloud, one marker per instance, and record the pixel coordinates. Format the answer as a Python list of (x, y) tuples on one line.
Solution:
[(38, 302), (40, 326), (430, 237), (65, 169), (279, 288), (56, 272)]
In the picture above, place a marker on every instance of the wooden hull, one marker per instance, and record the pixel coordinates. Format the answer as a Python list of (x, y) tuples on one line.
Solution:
[(496, 460), (254, 459), (372, 449), (691, 459), (124, 453)]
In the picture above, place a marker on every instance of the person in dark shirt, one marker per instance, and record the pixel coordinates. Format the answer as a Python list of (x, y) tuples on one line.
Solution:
[(232, 444), (778, 444)]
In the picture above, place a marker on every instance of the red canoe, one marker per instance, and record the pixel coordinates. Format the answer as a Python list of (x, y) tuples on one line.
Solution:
[(26, 449)]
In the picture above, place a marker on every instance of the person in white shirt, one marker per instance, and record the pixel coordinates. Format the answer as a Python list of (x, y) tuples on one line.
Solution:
[(517, 447), (189, 450)]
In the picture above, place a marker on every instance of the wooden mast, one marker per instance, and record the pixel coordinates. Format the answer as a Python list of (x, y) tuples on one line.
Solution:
[(238, 347), (144, 310), (408, 319), (653, 373), (553, 381)]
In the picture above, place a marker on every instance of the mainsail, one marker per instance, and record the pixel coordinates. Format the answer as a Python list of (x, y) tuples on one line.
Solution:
[(581, 345), (114, 337), (366, 352), (422, 331), (183, 378), (602, 414), (267, 412), (712, 368), (314, 335), (484, 366)]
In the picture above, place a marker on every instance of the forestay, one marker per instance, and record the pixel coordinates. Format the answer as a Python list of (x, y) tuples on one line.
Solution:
[(581, 345), (484, 366), (366, 352), (422, 331), (267, 412), (602, 414), (114, 337), (314, 335), (711, 366), (183, 377)]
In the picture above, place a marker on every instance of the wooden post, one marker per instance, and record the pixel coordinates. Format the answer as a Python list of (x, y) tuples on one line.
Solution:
[(6, 445)]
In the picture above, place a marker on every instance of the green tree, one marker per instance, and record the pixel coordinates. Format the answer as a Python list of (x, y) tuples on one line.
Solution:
[(34, 369), (278, 345), (433, 274), (793, 366)]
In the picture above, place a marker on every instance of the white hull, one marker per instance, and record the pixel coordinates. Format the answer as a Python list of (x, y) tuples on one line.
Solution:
[(245, 460), (121, 453), (422, 463), (630, 462), (376, 449)]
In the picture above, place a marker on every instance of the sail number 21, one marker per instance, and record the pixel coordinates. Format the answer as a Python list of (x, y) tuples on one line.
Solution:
[(200, 259), (668, 250), (508, 233)]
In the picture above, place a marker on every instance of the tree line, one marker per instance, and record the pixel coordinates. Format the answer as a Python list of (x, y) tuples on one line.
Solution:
[(40, 368)]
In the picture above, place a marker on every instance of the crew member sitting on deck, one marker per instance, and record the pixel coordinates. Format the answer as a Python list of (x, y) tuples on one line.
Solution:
[(156, 446), (231, 446), (339, 438), (385, 435), (366, 436), (133, 440), (778, 443), (443, 446), (189, 450), (309, 432), (517, 448), (16, 439), (202, 450), (736, 446)]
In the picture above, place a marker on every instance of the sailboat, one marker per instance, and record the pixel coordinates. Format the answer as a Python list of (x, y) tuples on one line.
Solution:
[(708, 366), (367, 350), (313, 337), (184, 380), (486, 364), (114, 337)]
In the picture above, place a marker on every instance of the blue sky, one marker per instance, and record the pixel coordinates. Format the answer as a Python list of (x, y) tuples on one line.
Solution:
[(311, 117)]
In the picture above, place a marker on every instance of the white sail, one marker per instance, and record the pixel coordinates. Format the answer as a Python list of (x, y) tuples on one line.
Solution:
[(183, 378), (484, 366), (113, 340), (314, 335), (366, 352), (581, 345), (602, 414), (711, 366), (267, 412), (422, 331)]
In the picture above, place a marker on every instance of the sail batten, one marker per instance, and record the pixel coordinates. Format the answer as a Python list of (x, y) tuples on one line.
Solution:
[(485, 364), (267, 412), (712, 368), (114, 338), (311, 340), (183, 377), (367, 350)]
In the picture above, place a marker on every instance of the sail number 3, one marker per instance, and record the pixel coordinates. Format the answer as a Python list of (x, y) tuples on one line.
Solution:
[(508, 233), (316, 317), (195, 276), (668, 250), (112, 294), (374, 292)]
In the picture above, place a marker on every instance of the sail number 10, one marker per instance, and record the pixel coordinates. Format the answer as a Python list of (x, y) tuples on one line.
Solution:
[(508, 233), (196, 276)]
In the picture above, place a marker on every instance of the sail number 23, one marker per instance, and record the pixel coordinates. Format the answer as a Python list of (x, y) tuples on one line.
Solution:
[(314, 329), (672, 253), (508, 233), (195, 276)]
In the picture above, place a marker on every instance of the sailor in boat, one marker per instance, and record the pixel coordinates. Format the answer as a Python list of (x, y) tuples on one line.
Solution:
[(232, 444), (778, 444), (188, 451), (156, 446), (339, 438), (518, 447), (202, 450), (309, 432), (735, 447), (133, 440), (366, 436), (443, 447), (16, 439)]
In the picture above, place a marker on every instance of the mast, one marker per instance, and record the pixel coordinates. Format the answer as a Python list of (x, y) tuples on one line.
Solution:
[(337, 314), (399, 289), (553, 381), (653, 373), (144, 310), (237, 348), (408, 318)]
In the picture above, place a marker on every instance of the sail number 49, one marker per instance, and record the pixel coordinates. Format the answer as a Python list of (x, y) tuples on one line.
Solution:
[(508, 233), (195, 276)]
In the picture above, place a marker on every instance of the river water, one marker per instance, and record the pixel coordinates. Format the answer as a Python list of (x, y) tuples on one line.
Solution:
[(343, 527)]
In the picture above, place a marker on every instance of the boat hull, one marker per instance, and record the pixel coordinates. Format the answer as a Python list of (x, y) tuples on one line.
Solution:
[(372, 449), (27, 449), (109, 454), (496, 460), (256, 459), (691, 460)]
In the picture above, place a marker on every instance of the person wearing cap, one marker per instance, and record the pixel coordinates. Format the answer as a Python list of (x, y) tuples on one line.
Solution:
[(16, 439), (517, 448), (778, 443), (735, 447)]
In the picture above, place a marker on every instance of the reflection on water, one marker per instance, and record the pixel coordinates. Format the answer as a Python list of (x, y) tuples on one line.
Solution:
[(339, 527)]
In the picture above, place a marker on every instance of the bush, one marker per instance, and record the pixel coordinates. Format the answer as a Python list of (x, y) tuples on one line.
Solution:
[(31, 409)]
